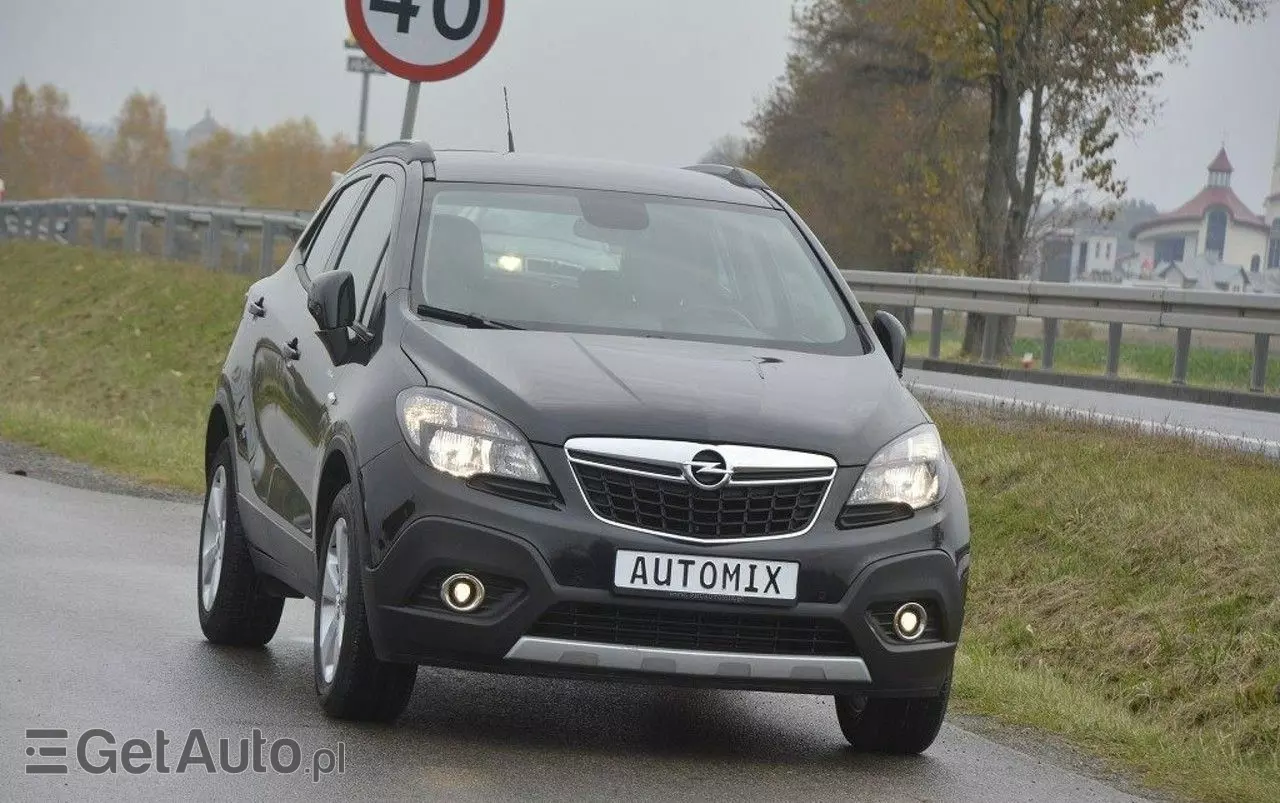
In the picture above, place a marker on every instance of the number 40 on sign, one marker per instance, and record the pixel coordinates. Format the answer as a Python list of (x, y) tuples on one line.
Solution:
[(426, 40)]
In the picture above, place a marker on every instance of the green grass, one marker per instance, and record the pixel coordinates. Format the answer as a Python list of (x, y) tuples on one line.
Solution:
[(1125, 595), (1206, 367), (1125, 592), (111, 358)]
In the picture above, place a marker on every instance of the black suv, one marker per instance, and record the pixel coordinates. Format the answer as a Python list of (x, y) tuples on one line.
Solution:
[(574, 418)]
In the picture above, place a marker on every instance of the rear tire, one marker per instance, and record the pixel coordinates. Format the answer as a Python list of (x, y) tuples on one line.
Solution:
[(351, 681), (233, 609), (902, 726)]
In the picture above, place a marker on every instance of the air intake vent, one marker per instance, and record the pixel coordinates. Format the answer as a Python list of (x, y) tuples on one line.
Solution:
[(760, 634)]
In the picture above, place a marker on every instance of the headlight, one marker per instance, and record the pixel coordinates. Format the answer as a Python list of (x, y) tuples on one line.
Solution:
[(510, 263), (460, 439), (909, 471)]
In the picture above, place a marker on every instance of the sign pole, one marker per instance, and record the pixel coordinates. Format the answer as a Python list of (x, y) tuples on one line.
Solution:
[(410, 110), (364, 111), (398, 38)]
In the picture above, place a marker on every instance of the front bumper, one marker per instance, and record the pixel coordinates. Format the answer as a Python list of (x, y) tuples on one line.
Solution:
[(424, 526)]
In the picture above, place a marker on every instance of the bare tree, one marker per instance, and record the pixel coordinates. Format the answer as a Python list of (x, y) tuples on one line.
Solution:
[(727, 150)]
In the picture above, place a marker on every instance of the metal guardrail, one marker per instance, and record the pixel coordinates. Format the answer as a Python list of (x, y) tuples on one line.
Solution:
[(1162, 307), (59, 220)]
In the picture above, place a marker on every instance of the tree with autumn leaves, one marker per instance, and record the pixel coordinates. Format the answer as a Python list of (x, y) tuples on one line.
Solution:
[(891, 89), (879, 152), (44, 151), (1062, 80), (47, 153), (215, 168), (139, 160), (288, 166)]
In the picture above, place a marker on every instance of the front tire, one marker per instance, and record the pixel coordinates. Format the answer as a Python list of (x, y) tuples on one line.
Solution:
[(351, 681), (903, 726), (232, 608)]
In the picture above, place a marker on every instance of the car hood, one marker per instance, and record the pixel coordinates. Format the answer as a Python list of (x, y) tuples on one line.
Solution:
[(556, 385)]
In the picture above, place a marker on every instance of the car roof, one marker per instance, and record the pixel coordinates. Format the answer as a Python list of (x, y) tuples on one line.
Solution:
[(488, 167)]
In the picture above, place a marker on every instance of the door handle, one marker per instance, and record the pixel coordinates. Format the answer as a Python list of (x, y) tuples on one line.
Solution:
[(257, 308), (290, 351)]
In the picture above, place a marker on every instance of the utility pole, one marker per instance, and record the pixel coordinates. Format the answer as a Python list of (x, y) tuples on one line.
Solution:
[(362, 137), (364, 65)]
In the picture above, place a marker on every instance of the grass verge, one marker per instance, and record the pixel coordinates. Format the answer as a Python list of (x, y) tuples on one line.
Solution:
[(1125, 596), (1124, 591), (111, 358)]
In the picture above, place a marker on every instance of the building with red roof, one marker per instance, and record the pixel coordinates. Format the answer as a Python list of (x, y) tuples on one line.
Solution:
[(1214, 227)]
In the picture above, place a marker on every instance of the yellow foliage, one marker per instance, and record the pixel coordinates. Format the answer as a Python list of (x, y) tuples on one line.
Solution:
[(289, 165), (139, 158), (44, 152), (214, 168)]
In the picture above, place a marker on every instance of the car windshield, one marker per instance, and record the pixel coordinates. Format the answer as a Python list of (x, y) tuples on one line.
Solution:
[(609, 262)]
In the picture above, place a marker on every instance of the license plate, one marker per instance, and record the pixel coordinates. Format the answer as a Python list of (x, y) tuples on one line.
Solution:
[(703, 576)]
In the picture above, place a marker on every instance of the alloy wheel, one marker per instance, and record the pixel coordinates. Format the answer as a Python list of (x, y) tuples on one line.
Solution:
[(333, 598), (213, 538)]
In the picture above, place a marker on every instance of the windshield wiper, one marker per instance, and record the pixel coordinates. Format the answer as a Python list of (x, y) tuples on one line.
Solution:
[(465, 318)]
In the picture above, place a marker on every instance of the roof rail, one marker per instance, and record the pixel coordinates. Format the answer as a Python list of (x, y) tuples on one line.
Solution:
[(405, 150), (737, 176)]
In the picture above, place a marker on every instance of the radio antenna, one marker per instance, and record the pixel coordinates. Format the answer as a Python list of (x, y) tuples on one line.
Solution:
[(511, 137)]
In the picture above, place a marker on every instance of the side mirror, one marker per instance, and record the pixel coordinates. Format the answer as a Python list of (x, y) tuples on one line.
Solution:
[(332, 300), (893, 336)]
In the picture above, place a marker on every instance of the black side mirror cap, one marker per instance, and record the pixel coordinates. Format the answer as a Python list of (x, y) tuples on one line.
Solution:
[(893, 336), (332, 300)]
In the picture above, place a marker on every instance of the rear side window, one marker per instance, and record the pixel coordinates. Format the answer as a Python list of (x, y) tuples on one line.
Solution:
[(366, 248), (326, 237)]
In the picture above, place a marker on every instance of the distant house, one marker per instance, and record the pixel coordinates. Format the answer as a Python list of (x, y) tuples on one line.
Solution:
[(1130, 266), (1075, 255), (1214, 240), (1205, 272)]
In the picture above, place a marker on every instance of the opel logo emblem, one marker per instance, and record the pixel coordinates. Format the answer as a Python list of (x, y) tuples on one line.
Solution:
[(708, 471)]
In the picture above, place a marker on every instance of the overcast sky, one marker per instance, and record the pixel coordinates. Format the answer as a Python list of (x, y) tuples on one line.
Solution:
[(642, 80)]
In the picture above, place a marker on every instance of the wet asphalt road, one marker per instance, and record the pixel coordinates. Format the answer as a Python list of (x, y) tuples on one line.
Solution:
[(1252, 430), (99, 631)]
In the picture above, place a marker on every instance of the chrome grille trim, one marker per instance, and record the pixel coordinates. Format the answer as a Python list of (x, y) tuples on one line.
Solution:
[(621, 470), (668, 458)]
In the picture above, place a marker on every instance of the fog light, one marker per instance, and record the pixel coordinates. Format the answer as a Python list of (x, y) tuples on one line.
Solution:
[(909, 621), (462, 593)]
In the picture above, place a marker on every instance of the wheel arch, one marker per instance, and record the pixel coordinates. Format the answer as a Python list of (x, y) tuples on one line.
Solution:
[(338, 470), (217, 429)]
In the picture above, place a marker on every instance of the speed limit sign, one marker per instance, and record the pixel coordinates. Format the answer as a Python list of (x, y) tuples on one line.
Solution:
[(426, 40)]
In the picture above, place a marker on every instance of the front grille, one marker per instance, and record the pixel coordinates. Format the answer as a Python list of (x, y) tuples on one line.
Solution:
[(674, 507), (761, 634)]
